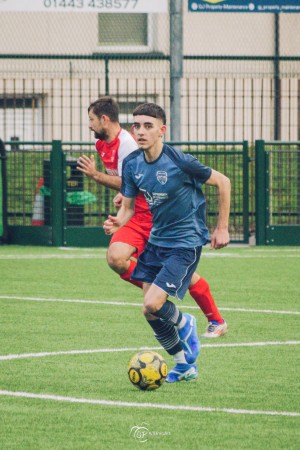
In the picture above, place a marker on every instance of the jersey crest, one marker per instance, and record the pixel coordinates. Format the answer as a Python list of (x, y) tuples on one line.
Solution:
[(162, 176)]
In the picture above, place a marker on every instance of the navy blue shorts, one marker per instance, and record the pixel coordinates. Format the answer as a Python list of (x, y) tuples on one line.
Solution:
[(170, 269)]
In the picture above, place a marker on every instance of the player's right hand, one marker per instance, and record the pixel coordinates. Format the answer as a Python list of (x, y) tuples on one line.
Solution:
[(87, 165), (118, 200)]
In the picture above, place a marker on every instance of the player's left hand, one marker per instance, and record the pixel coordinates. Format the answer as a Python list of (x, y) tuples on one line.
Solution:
[(111, 225), (219, 239)]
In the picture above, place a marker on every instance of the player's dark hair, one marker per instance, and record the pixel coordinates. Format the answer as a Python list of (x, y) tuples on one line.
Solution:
[(105, 105), (152, 110)]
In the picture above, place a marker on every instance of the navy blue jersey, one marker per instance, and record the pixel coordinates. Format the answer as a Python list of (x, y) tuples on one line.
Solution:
[(172, 188)]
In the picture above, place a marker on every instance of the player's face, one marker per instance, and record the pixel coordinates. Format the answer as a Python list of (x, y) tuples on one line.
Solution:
[(96, 124), (148, 131)]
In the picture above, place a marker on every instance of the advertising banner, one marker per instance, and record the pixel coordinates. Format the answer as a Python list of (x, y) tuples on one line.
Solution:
[(94, 6), (266, 6)]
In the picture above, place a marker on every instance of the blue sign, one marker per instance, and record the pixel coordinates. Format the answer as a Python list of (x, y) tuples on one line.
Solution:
[(267, 6)]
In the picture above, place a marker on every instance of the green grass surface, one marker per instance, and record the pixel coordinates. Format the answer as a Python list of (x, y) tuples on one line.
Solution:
[(250, 378)]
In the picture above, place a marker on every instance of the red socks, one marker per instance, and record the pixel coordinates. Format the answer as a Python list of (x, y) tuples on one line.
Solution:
[(126, 275), (201, 294)]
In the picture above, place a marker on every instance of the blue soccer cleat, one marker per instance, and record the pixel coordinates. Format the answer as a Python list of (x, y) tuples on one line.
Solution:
[(182, 372), (189, 338)]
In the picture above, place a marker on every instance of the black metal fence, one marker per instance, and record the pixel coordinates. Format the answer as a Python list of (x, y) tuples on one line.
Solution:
[(222, 99), (49, 202), (277, 193), (45, 189)]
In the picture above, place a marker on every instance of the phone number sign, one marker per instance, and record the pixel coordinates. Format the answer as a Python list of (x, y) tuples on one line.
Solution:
[(267, 6), (98, 6)]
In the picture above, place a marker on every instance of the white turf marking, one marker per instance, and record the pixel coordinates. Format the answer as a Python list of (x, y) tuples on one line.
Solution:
[(106, 302), (137, 349), (51, 256), (100, 253), (90, 401), (239, 255)]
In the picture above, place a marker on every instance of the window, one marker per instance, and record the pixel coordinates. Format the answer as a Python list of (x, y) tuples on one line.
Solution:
[(124, 32), (20, 118)]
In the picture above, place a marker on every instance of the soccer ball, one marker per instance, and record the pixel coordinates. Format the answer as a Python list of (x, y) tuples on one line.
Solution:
[(147, 370)]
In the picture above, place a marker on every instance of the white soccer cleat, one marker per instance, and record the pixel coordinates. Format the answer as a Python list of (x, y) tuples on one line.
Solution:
[(215, 330)]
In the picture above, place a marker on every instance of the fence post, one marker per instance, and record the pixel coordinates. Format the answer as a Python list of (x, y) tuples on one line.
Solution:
[(260, 192), (57, 186), (246, 191), (3, 194), (176, 66)]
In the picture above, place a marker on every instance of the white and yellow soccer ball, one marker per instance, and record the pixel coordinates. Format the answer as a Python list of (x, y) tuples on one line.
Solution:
[(147, 370)]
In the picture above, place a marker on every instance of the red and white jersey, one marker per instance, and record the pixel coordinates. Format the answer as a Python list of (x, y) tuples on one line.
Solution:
[(114, 152), (112, 155)]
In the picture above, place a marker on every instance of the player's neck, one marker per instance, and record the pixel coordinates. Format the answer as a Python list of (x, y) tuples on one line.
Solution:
[(154, 152), (113, 132)]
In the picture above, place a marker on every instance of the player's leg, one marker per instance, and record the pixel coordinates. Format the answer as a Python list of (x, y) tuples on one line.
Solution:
[(200, 291), (126, 243), (166, 272), (118, 258), (170, 270), (165, 318)]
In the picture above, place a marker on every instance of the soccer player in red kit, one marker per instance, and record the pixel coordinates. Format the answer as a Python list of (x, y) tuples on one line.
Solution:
[(113, 144)]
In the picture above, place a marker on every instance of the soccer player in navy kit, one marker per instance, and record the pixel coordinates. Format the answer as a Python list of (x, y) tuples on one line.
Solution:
[(171, 183)]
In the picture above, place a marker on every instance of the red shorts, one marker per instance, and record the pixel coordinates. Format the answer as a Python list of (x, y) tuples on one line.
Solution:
[(134, 235)]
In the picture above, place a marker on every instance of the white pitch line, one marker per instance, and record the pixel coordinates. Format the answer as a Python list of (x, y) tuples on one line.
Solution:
[(209, 254), (137, 349), (266, 311), (75, 352), (238, 255), (90, 401), (107, 302), (62, 256)]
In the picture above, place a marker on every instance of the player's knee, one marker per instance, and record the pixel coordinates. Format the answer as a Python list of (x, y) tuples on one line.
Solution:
[(150, 306), (116, 261), (148, 310)]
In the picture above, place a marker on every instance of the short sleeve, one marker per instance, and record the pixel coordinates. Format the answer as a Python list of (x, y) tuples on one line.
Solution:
[(195, 168), (128, 187), (189, 164)]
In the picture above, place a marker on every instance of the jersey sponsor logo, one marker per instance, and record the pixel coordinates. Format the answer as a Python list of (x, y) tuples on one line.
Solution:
[(155, 198), (162, 176), (139, 175), (170, 285)]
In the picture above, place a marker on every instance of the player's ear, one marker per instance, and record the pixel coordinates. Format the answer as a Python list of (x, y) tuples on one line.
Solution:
[(163, 129)]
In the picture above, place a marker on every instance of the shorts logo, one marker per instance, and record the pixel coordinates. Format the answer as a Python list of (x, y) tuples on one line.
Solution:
[(138, 176), (171, 285), (162, 176)]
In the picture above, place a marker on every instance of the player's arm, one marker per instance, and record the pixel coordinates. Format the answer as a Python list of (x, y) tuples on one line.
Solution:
[(126, 211), (87, 166), (220, 237)]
